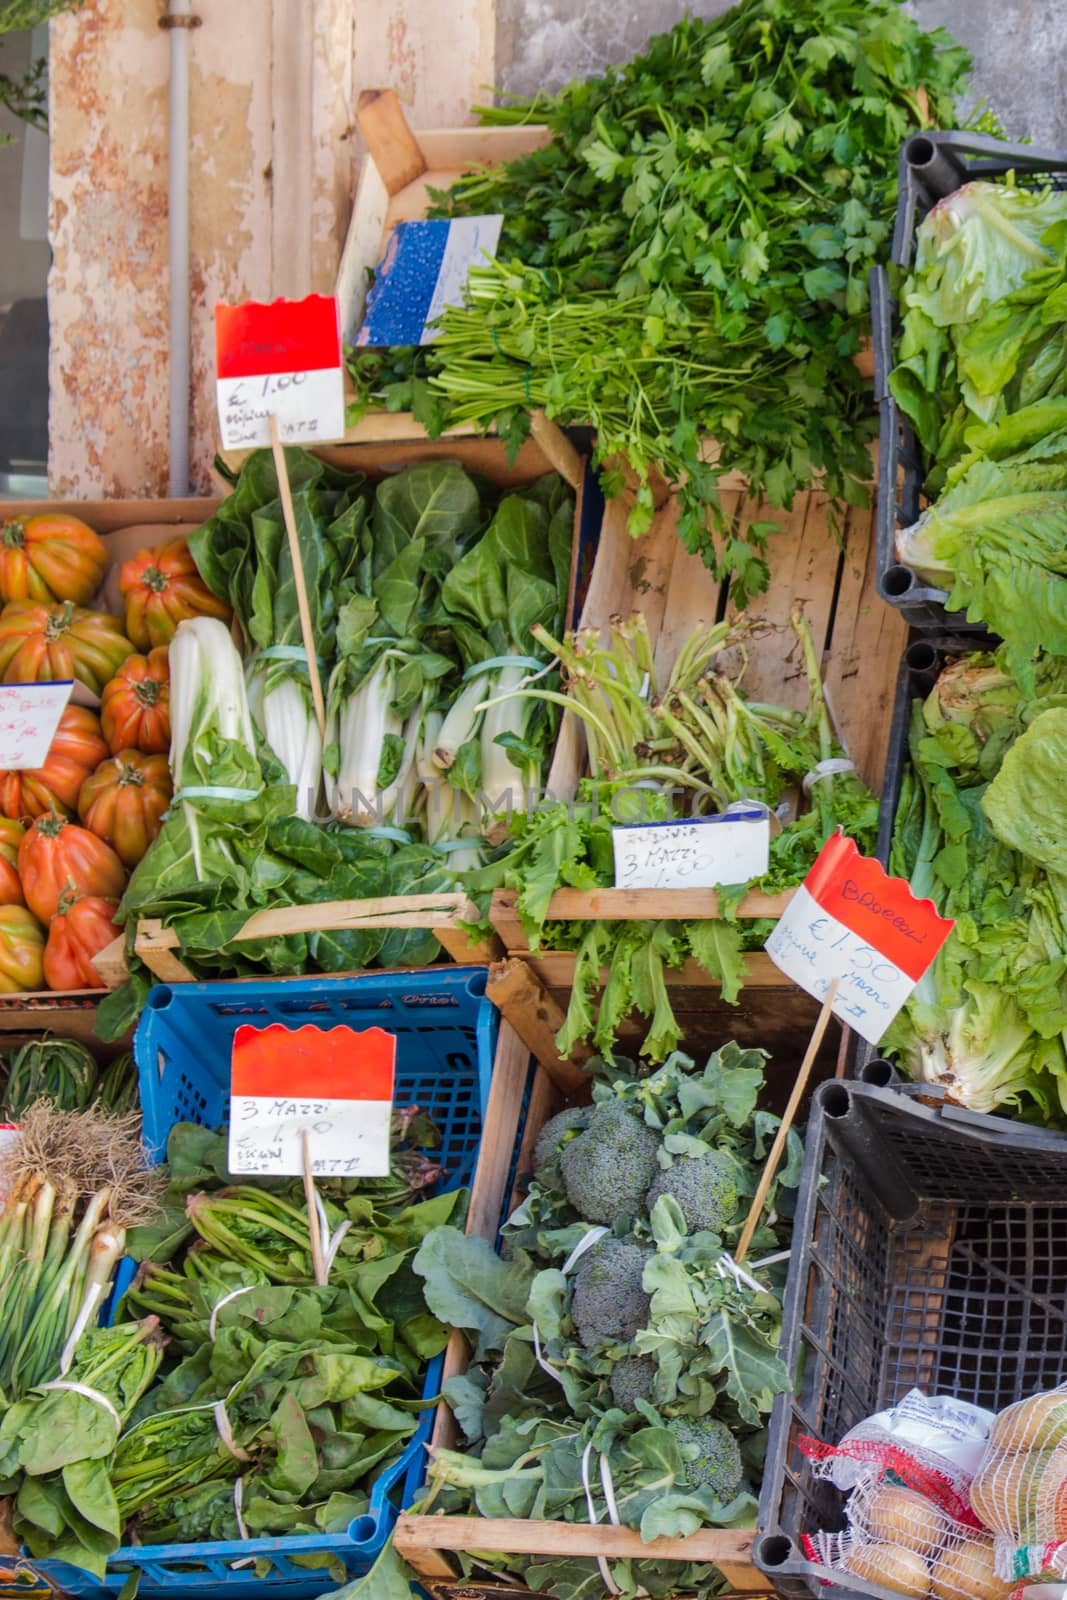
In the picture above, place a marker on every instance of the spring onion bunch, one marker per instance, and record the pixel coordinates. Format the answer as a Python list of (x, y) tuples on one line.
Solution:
[(73, 1181)]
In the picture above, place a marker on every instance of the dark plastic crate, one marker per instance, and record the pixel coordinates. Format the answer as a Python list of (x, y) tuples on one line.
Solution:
[(929, 1251), (446, 1037), (931, 166)]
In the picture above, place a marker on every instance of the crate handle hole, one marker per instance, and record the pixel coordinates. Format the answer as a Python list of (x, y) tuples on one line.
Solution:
[(898, 580), (160, 997), (921, 656), (837, 1102), (773, 1550), (881, 1074), (919, 151)]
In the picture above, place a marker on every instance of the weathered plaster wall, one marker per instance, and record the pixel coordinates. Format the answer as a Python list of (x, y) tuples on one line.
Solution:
[(1019, 47)]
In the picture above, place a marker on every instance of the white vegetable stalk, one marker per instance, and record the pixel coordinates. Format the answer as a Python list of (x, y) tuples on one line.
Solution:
[(285, 718), (461, 723), (503, 783), (207, 689), (448, 813), (359, 730)]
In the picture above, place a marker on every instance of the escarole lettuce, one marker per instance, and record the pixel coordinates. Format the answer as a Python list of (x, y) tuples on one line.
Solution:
[(976, 831)]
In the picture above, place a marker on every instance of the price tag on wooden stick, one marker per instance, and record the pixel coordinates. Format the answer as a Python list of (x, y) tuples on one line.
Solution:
[(29, 717), (851, 921), (281, 360), (333, 1085)]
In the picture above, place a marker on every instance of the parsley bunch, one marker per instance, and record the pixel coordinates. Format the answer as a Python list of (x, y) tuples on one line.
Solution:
[(688, 257)]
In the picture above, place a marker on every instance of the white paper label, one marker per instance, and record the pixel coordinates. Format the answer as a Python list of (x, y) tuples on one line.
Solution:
[(309, 406), (813, 948), (29, 717), (470, 241), (347, 1138), (703, 853)]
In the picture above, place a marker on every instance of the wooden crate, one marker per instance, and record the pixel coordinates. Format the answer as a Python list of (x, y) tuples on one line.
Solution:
[(125, 526), (859, 640), (426, 1542), (547, 451)]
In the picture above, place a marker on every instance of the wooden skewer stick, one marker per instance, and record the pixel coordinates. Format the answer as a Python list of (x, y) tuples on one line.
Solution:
[(298, 574), (778, 1147), (318, 1260)]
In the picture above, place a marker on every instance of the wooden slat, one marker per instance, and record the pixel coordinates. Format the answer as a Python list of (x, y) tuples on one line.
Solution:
[(626, 905), (555, 970), (536, 1018), (868, 641), (558, 448), (511, 1068), (730, 1549), (111, 962), (155, 945), (393, 147)]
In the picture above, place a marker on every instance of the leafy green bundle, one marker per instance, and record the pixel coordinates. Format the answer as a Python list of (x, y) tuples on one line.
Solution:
[(634, 1362), (661, 751), (688, 257), (976, 830), (286, 1401)]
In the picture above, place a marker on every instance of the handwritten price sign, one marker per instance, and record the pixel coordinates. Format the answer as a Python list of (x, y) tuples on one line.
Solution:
[(703, 853), (281, 360), (334, 1084), (29, 717), (850, 920)]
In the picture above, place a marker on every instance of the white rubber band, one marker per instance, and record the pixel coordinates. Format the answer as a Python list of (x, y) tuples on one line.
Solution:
[(827, 769), (238, 1504), (727, 1267), (212, 1327), (584, 1243), (225, 1432), (605, 1571), (546, 1366), (89, 1394)]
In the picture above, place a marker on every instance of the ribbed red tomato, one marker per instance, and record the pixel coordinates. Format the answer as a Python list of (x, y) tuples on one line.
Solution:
[(124, 802), (79, 930), (57, 856), (77, 749), (135, 712), (50, 556), (162, 588), (21, 950), (11, 834), (39, 644)]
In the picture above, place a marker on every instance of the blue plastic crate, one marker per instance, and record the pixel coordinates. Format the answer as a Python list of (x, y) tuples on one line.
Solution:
[(446, 1037)]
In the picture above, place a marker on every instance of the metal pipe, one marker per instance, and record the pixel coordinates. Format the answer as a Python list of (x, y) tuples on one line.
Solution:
[(178, 244)]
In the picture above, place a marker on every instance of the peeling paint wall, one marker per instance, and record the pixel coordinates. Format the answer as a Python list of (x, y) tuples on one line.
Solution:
[(271, 174), (438, 58)]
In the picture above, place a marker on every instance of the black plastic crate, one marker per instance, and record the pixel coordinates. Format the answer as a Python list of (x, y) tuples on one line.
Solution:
[(929, 1251), (931, 166)]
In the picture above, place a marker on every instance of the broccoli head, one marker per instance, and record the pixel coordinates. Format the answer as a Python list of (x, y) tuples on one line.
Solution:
[(607, 1169), (705, 1188), (713, 1460), (631, 1380), (609, 1304), (555, 1132)]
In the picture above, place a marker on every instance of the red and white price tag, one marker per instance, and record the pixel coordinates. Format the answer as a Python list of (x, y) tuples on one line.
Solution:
[(283, 360), (850, 920), (334, 1084)]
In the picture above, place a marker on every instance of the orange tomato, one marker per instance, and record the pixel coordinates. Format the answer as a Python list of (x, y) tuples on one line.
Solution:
[(135, 712), (124, 802), (76, 751), (40, 643), (79, 930), (57, 856), (21, 950), (162, 588), (48, 557)]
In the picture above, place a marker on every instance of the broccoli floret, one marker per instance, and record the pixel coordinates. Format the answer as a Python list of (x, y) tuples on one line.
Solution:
[(713, 1460), (554, 1132), (631, 1380), (608, 1304), (705, 1188), (608, 1168)]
